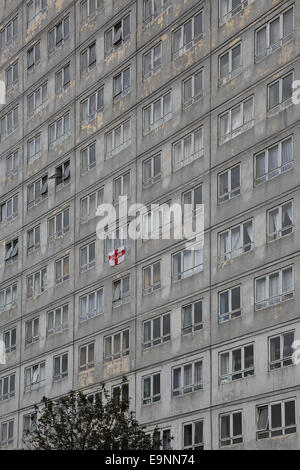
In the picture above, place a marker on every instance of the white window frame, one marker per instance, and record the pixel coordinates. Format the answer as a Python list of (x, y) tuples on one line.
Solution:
[(123, 351), (62, 78), (153, 70), (123, 145), (14, 157), (90, 61), (153, 286), (10, 340), (195, 445), (13, 202), (86, 365), (283, 361), (65, 129), (90, 165), (123, 299), (32, 331), (194, 326), (97, 95), (164, 336), (29, 422), (42, 90), (12, 115), (184, 47), (36, 141), (36, 48), (243, 372), (11, 250), (282, 231), (9, 432), (43, 185), (62, 262), (62, 373), (282, 104), (232, 12), (152, 398), (91, 263), (231, 73), (90, 14), (242, 248), (9, 292), (12, 70), (124, 91), (10, 380), (54, 221), (281, 297), (99, 293), (13, 28), (37, 278), (36, 238), (194, 155), (64, 35), (39, 7), (37, 376), (272, 48), (191, 271), (183, 389), (163, 117), (164, 5), (62, 312), (194, 98), (245, 126), (267, 432), (112, 32), (231, 193), (232, 439), (85, 214), (153, 178), (277, 171), (231, 314)]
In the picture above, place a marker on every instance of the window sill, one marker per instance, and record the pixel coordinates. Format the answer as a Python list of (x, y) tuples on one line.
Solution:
[(279, 108), (158, 124), (189, 160), (229, 196), (152, 73), (149, 21), (280, 302), (276, 47), (228, 78), (194, 100), (231, 14), (275, 173), (187, 47), (228, 137)]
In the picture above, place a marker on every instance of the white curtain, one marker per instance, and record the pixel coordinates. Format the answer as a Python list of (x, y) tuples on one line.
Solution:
[(261, 289), (287, 280), (235, 241)]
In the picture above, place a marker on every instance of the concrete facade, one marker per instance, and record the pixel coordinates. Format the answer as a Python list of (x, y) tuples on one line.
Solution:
[(265, 130)]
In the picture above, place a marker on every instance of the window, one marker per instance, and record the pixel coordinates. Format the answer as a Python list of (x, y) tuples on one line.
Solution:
[(86, 357), (151, 389), (230, 304), (12, 164), (230, 64), (120, 392), (116, 346), (7, 433), (59, 224), (231, 430), (236, 241), (121, 186), (9, 33), (117, 139), (152, 170), (280, 93), (88, 257), (29, 423), (34, 56), (274, 34), (9, 209), (157, 331), (187, 378), (32, 331), (163, 436), (115, 240), (156, 222), (94, 398), (276, 419), (274, 161), (93, 105), (91, 304), (122, 84), (192, 89), (60, 367), (59, 34), (37, 100), (37, 191), (280, 221), (193, 436), (152, 61), (153, 8), (188, 149), (34, 376), (88, 58), (62, 79), (187, 262), (274, 288), (59, 130), (34, 9), (151, 277), (121, 291), (157, 113), (117, 35), (7, 387), (89, 9), (11, 250), (89, 204), (33, 238), (34, 149), (281, 350), (10, 340), (57, 320), (236, 364), (37, 283), (192, 318), (188, 35), (8, 297), (62, 270), (229, 184), (88, 158), (191, 200), (230, 8), (62, 175), (237, 120), (12, 75), (10, 122)]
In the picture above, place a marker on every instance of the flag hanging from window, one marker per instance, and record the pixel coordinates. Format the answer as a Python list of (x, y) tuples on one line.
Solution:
[(117, 256)]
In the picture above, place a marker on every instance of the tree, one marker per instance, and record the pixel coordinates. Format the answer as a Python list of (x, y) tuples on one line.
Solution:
[(79, 422)]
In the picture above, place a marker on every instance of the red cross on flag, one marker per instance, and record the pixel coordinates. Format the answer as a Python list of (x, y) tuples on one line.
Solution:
[(117, 256)]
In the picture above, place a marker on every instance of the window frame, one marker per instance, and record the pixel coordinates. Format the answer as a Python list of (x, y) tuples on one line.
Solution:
[(124, 91), (231, 314), (98, 293), (194, 98), (65, 131), (231, 193), (90, 264), (154, 286), (163, 338), (63, 262), (62, 311), (64, 35), (194, 445), (268, 175), (34, 385), (244, 127), (288, 229), (124, 351), (42, 282), (14, 156), (231, 439), (231, 73), (283, 361), (124, 144), (111, 31), (283, 296), (268, 431), (9, 292), (184, 389), (241, 373), (62, 373), (11, 386), (195, 153), (195, 326), (65, 78), (87, 365), (163, 117), (153, 397), (153, 70), (282, 104), (122, 299), (14, 203), (242, 248), (14, 70), (184, 47), (54, 221), (32, 327)]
